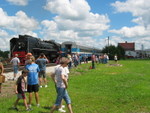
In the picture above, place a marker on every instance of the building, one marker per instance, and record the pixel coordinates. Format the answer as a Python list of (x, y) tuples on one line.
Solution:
[(129, 49), (127, 46)]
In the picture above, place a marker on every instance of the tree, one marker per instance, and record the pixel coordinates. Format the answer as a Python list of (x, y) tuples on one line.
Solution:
[(112, 50), (4, 54), (120, 52)]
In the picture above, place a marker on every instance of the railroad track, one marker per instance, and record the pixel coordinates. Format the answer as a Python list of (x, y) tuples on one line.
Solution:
[(9, 68)]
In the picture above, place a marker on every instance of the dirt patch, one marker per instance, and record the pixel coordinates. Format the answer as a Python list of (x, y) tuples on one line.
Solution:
[(7, 89)]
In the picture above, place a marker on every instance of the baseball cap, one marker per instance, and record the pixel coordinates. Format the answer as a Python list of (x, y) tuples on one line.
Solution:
[(29, 54)]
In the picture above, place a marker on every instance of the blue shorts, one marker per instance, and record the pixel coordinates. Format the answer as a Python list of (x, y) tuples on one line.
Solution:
[(15, 67), (62, 94)]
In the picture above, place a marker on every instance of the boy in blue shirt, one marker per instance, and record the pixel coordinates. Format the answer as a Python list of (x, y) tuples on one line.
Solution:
[(32, 80)]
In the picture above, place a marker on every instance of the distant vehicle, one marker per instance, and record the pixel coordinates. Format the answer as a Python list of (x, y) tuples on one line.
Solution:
[(69, 47), (131, 54), (28, 44)]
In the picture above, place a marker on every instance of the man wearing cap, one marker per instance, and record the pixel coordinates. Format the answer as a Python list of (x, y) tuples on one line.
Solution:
[(28, 56), (15, 62)]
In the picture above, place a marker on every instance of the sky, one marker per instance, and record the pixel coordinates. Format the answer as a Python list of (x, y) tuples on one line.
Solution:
[(86, 22)]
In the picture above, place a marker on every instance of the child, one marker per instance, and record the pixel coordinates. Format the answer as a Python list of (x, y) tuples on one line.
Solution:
[(20, 89)]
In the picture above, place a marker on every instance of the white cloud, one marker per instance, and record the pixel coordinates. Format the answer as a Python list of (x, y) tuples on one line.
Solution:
[(142, 41), (140, 11), (74, 9), (3, 33), (4, 39), (20, 23), (74, 21), (18, 2), (138, 8), (137, 31)]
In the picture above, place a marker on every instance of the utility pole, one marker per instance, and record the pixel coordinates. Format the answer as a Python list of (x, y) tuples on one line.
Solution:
[(108, 44)]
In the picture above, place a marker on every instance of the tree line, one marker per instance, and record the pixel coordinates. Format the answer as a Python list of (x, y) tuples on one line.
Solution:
[(113, 50), (4, 54)]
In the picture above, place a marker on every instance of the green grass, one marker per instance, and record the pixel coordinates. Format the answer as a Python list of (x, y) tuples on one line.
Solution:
[(106, 89)]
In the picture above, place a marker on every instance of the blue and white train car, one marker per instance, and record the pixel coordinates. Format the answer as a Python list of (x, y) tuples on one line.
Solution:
[(69, 47)]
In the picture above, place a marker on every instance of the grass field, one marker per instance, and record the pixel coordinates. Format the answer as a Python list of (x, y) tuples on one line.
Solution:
[(106, 89)]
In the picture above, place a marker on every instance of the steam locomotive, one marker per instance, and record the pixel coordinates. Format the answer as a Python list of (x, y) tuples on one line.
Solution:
[(28, 44)]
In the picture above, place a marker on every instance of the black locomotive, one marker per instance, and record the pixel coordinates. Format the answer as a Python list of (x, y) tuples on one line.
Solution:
[(28, 44)]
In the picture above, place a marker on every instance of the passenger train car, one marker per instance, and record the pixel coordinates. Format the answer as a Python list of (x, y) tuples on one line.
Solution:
[(69, 47), (26, 43)]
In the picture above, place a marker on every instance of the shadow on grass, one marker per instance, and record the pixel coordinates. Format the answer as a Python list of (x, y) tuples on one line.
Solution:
[(47, 108), (13, 109), (43, 112)]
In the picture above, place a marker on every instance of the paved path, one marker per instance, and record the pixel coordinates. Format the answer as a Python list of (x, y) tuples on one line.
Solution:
[(9, 75)]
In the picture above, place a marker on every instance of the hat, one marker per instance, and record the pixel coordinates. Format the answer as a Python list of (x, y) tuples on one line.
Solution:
[(29, 54), (64, 60)]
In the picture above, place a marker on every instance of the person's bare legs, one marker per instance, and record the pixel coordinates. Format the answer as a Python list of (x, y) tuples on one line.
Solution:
[(25, 103), (40, 81), (16, 102), (53, 108), (69, 108), (15, 74), (30, 98), (45, 81), (36, 97)]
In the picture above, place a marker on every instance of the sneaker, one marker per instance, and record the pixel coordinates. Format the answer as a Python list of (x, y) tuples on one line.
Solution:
[(15, 108), (61, 110), (28, 109), (46, 86), (63, 106), (40, 86), (38, 105)]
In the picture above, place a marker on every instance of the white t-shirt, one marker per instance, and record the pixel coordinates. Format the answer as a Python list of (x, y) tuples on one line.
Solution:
[(59, 71), (15, 61), (115, 57), (66, 72)]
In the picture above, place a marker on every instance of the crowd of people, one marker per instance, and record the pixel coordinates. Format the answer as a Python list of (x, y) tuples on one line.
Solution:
[(76, 59), (33, 77)]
